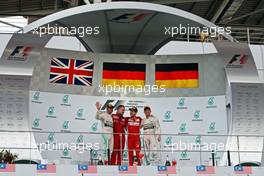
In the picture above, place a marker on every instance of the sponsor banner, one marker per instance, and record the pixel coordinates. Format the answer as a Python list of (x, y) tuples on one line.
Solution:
[(14, 115), (63, 114), (247, 112), (247, 108), (238, 60)]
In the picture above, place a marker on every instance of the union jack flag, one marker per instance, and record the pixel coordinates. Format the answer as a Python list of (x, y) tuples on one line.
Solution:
[(71, 71)]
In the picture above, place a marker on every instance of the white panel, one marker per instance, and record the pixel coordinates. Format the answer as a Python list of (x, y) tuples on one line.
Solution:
[(179, 47), (262, 50), (209, 48), (4, 40), (67, 43), (239, 62), (257, 55), (261, 75)]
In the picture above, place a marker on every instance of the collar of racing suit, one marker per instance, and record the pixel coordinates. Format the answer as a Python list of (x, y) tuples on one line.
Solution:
[(119, 115), (134, 118)]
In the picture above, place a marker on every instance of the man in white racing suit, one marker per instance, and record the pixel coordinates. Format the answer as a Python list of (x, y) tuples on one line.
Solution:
[(152, 138), (107, 126)]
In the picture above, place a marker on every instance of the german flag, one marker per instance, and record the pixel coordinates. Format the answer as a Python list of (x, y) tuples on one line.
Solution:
[(124, 74), (180, 75)]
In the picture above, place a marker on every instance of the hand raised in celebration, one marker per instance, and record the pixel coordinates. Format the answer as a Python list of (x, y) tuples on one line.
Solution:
[(98, 105)]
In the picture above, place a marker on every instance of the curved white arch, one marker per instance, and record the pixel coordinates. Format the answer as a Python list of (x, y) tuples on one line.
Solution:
[(121, 5)]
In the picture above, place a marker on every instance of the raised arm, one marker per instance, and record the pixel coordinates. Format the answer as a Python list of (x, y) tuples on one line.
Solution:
[(99, 115)]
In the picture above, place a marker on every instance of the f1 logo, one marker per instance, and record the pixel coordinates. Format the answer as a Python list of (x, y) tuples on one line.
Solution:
[(129, 17), (23, 50), (20, 53), (239, 58)]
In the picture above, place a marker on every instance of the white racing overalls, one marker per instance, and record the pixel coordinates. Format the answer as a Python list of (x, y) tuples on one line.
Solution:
[(107, 128), (151, 128)]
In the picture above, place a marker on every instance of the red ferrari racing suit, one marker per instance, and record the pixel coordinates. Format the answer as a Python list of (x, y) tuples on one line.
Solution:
[(133, 129), (119, 124)]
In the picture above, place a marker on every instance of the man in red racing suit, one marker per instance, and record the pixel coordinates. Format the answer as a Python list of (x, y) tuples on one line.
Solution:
[(119, 124), (133, 124)]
